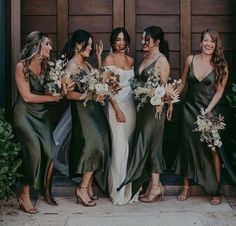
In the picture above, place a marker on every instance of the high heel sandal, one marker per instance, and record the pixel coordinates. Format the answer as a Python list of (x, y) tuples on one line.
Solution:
[(80, 199), (50, 199), (181, 196), (159, 194), (146, 192), (32, 210), (216, 200), (91, 194)]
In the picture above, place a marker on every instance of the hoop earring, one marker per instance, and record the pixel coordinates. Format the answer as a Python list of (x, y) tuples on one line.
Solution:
[(127, 50)]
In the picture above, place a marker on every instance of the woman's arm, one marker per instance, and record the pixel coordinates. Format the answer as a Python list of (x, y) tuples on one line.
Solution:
[(120, 116), (24, 88), (184, 76), (99, 49), (219, 92)]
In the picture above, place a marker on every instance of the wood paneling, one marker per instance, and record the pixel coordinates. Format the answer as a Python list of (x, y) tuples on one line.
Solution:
[(118, 13), (90, 23), (62, 24), (213, 7), (219, 23), (90, 7), (167, 23), (104, 37), (157, 7), (42, 23), (36, 7)]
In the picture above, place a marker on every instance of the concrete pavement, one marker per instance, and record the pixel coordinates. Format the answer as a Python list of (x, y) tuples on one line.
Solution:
[(196, 211)]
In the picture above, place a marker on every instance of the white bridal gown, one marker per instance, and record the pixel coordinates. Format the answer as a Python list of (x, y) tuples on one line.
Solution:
[(122, 134)]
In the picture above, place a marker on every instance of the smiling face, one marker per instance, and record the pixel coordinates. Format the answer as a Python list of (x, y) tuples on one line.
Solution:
[(46, 48), (120, 42), (208, 45)]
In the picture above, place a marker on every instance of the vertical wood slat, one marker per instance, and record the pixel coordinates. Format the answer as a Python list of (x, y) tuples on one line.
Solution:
[(62, 24), (118, 13), (185, 31), (130, 23), (15, 42)]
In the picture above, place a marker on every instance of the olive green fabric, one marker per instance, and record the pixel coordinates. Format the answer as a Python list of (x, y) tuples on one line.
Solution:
[(194, 158), (90, 140), (31, 125), (147, 156)]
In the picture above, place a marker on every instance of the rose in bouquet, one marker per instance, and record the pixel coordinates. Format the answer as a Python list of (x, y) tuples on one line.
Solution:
[(209, 126), (57, 77), (153, 92), (104, 83)]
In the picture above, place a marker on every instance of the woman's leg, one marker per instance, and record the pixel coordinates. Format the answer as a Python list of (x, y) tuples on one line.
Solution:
[(25, 201), (185, 193), (90, 189), (48, 192), (216, 200), (82, 192), (155, 191)]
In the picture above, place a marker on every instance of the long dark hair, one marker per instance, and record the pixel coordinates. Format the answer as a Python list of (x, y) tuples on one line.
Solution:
[(218, 60), (114, 34), (78, 37), (156, 33), (33, 45)]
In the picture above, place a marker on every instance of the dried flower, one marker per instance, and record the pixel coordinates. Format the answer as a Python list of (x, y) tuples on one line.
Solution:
[(209, 126)]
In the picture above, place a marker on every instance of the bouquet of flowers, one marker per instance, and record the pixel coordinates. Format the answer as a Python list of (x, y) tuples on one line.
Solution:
[(209, 125), (56, 76), (155, 93), (104, 83)]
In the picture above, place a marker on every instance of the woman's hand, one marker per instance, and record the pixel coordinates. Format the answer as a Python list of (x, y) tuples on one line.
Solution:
[(120, 116), (99, 48), (205, 111), (99, 98), (169, 112), (67, 85)]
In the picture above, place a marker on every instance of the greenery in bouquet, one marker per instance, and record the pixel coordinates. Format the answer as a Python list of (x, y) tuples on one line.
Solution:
[(209, 126), (153, 92), (102, 83), (56, 75)]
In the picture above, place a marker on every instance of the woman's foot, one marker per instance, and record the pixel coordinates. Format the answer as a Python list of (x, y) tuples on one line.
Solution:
[(25, 204), (216, 200), (91, 193), (81, 194), (147, 191), (50, 199), (154, 192), (184, 194)]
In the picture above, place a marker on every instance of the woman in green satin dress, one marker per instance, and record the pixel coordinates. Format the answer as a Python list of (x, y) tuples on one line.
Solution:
[(31, 122), (147, 157), (90, 140), (206, 75)]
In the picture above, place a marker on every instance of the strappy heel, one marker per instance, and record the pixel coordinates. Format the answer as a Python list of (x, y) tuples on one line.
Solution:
[(216, 200), (159, 194), (32, 210), (80, 199), (50, 199), (181, 196), (91, 194)]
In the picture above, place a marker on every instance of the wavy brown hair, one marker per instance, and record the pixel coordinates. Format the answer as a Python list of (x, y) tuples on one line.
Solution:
[(218, 60), (33, 45)]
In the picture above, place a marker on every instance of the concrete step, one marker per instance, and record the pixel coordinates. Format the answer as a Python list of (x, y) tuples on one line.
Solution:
[(65, 187)]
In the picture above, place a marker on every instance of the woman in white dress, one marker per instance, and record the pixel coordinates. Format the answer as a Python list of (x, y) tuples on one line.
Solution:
[(121, 116)]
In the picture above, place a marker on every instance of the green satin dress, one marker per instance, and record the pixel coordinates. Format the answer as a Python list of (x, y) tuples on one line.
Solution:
[(90, 140), (194, 158), (32, 128), (147, 156)]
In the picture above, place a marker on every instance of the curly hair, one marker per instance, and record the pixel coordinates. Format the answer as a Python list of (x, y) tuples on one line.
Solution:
[(218, 60), (33, 45)]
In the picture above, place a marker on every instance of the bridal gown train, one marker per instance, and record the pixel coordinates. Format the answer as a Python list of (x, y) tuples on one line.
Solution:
[(122, 134)]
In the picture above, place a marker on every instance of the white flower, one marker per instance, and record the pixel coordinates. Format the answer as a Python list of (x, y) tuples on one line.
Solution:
[(155, 100), (159, 91), (98, 87)]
